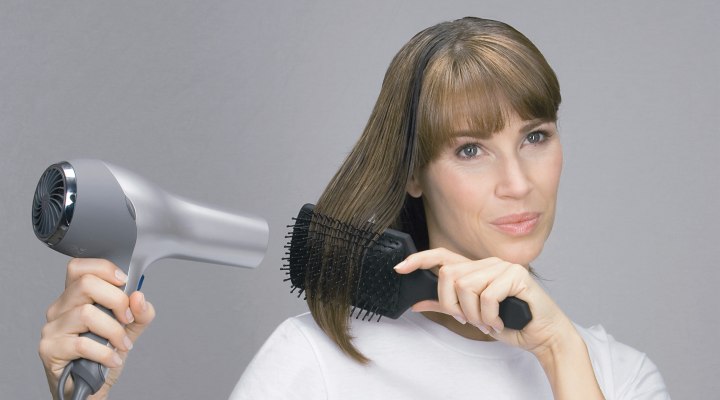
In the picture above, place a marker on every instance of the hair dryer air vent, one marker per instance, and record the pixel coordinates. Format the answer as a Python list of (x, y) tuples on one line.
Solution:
[(54, 202)]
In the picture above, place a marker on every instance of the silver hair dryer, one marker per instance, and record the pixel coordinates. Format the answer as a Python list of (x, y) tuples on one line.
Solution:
[(93, 209)]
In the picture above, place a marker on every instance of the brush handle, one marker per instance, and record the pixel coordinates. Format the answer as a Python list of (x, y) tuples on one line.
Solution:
[(421, 285)]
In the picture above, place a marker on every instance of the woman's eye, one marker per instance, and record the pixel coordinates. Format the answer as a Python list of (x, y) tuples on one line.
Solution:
[(535, 137), (469, 151)]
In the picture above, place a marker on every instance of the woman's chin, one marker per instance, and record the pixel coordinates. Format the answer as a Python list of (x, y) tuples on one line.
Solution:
[(521, 253)]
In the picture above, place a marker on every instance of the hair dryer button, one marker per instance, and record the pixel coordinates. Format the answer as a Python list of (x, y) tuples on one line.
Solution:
[(142, 279)]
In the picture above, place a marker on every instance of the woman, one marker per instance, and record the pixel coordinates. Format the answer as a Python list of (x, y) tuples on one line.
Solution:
[(461, 151)]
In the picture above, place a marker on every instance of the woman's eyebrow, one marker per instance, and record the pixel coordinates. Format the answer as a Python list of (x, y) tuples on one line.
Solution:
[(532, 124), (528, 125)]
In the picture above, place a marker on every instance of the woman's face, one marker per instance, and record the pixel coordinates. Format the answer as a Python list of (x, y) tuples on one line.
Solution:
[(493, 197)]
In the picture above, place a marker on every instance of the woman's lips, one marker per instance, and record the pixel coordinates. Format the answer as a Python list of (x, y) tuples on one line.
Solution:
[(517, 224)]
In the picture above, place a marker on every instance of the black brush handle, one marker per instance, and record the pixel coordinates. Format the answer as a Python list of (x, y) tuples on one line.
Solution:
[(421, 285)]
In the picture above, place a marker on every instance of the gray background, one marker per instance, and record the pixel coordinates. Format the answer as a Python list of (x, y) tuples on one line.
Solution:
[(253, 105)]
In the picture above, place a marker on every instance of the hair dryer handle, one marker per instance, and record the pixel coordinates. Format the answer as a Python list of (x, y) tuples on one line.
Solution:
[(91, 372), (94, 373)]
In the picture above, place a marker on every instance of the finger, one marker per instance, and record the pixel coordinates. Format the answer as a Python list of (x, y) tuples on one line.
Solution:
[(89, 289), (144, 314), (89, 318), (99, 267), (510, 283), (447, 296), (467, 288), (427, 305), (429, 259), (448, 277), (59, 351)]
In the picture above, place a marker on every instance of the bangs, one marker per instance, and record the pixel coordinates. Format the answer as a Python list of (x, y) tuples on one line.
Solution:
[(475, 90)]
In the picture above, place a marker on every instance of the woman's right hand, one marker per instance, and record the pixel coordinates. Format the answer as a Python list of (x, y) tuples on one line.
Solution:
[(89, 281)]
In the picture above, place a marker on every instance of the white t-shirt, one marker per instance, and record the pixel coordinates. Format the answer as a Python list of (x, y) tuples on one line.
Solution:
[(415, 358)]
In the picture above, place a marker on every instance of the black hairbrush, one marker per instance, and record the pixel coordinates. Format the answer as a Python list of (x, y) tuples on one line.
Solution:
[(379, 290)]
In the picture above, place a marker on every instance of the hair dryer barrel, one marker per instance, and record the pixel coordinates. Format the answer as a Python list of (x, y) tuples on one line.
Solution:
[(215, 236), (171, 226)]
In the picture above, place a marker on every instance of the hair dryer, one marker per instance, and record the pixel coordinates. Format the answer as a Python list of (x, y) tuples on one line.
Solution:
[(90, 208)]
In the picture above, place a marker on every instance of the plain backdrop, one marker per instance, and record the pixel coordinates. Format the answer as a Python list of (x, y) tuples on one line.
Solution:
[(252, 106)]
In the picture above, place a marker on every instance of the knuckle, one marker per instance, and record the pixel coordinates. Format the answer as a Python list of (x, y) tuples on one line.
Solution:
[(74, 264), (81, 345), (519, 269), (50, 313), (445, 273), (45, 332), (86, 313), (85, 282), (44, 348), (462, 285), (486, 298), (522, 287)]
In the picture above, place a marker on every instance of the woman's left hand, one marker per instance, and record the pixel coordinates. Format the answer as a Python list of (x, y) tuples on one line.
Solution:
[(471, 291)]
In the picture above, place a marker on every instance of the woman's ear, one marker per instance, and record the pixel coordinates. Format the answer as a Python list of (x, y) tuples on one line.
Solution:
[(413, 187)]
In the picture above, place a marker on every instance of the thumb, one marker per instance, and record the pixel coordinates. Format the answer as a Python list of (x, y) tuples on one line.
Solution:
[(427, 305), (144, 313)]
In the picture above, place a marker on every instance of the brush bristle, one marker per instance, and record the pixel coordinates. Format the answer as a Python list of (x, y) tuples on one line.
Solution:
[(319, 250)]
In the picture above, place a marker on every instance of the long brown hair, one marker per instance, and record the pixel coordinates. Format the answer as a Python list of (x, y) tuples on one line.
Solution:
[(471, 71)]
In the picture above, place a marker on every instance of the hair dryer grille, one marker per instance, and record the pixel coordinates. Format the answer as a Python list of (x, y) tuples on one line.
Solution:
[(53, 203)]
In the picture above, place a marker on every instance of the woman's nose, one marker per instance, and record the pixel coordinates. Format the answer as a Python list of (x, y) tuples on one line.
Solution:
[(513, 181)]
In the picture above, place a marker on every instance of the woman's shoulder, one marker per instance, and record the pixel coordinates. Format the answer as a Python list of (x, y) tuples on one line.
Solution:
[(300, 352), (604, 348), (302, 324), (620, 368), (598, 338), (288, 353)]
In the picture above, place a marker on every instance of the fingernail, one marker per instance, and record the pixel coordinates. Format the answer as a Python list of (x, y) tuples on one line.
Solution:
[(483, 329), (129, 316), (496, 329), (128, 343), (120, 275), (402, 264), (116, 360), (460, 319)]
